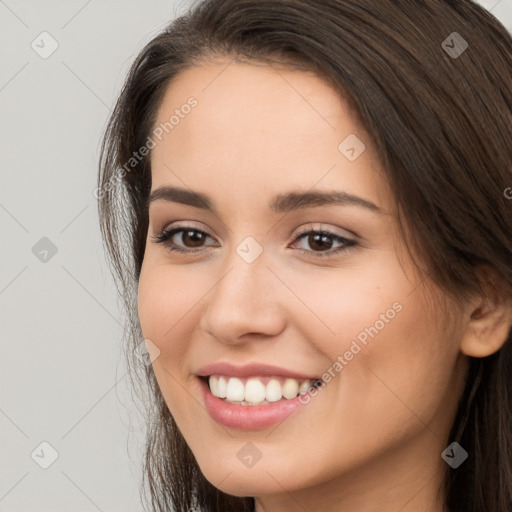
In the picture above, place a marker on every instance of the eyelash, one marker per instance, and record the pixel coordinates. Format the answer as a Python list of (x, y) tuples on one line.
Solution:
[(348, 244)]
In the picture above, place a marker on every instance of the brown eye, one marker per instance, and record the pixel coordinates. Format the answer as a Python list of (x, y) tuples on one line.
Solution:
[(193, 235), (321, 242), (191, 239)]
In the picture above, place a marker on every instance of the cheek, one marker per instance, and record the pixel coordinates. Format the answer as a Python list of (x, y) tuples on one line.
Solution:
[(346, 305), (166, 299), (402, 375), (392, 357)]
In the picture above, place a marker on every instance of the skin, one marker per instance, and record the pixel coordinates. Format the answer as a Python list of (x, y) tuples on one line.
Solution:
[(372, 438)]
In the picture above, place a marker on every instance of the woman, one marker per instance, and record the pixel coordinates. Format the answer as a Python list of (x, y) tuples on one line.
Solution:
[(305, 204)]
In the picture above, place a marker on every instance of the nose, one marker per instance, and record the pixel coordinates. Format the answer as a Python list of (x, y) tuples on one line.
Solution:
[(245, 304)]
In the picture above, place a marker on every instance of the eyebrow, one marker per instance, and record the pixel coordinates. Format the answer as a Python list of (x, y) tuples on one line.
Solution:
[(281, 203)]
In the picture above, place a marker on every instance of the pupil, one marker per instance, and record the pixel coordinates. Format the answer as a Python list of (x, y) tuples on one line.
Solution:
[(195, 236), (322, 238)]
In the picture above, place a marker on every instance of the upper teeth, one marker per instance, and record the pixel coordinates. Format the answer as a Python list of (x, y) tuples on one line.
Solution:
[(257, 390)]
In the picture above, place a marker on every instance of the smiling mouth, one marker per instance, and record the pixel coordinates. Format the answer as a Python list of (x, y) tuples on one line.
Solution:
[(258, 390)]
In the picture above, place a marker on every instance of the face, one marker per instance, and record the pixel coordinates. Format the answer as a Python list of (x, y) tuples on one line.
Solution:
[(245, 285)]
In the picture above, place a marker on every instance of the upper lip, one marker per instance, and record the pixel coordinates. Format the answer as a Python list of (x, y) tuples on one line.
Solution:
[(249, 370)]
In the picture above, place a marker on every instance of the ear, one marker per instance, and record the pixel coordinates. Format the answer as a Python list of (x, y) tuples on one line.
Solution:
[(489, 319)]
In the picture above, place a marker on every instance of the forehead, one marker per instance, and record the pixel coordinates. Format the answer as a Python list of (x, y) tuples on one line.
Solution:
[(259, 125)]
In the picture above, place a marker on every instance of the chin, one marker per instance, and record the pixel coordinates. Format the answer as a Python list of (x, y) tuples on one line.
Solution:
[(247, 487), (236, 480)]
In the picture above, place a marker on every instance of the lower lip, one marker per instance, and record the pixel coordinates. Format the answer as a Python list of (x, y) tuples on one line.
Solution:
[(248, 417)]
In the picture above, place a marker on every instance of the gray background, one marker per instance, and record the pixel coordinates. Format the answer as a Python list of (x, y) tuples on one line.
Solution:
[(62, 376)]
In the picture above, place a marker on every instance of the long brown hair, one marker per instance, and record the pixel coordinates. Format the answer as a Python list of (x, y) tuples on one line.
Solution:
[(441, 121)]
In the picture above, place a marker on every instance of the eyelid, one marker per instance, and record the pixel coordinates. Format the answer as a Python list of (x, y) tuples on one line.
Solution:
[(318, 226), (176, 224)]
